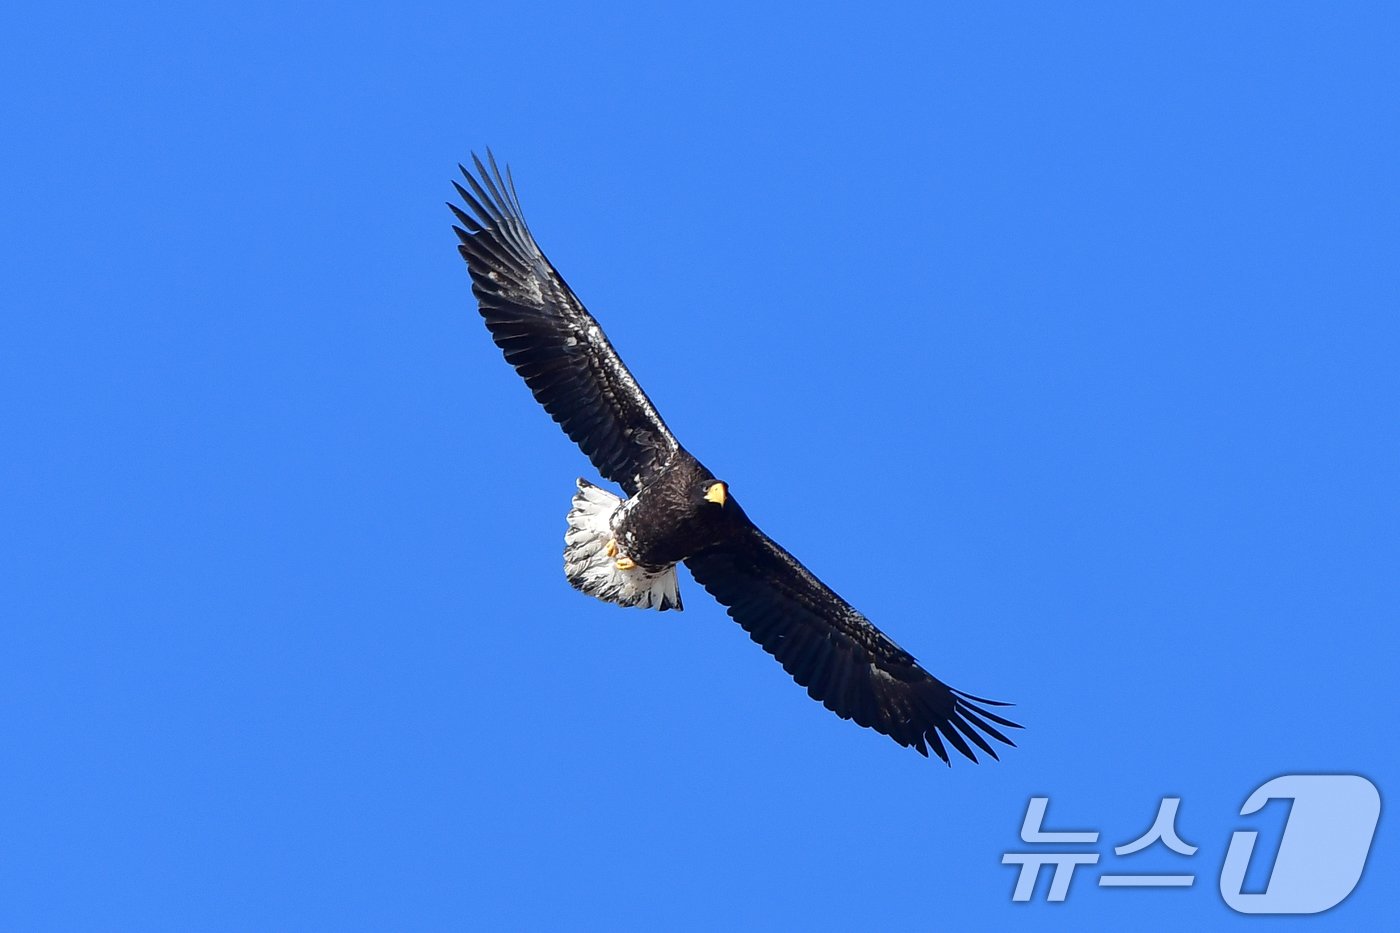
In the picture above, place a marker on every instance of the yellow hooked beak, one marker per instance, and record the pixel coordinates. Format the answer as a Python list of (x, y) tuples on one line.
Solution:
[(717, 493)]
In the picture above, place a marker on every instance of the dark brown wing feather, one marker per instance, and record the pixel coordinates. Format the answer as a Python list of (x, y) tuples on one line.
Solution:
[(551, 340), (843, 660)]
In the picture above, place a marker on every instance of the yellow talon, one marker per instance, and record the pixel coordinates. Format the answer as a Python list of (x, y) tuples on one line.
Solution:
[(611, 549), (625, 563)]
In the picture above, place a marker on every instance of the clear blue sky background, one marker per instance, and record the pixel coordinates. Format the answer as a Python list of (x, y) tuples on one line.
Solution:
[(1061, 339)]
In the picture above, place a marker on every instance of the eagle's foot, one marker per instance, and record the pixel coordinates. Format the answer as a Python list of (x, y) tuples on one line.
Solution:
[(622, 563)]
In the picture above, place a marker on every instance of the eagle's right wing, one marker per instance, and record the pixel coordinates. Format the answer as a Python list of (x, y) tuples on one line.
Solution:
[(842, 659), (552, 340)]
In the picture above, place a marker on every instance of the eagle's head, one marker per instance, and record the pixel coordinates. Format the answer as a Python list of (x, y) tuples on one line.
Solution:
[(714, 492)]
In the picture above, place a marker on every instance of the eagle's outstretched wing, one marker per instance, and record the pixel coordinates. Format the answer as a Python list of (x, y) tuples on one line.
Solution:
[(843, 660), (551, 339)]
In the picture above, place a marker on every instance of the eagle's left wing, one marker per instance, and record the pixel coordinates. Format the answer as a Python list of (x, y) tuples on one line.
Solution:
[(843, 660), (552, 340)]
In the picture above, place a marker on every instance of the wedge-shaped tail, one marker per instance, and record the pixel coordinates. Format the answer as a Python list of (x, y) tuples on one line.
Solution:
[(591, 568)]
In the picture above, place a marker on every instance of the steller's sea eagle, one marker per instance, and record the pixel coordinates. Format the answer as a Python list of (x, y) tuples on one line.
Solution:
[(626, 550)]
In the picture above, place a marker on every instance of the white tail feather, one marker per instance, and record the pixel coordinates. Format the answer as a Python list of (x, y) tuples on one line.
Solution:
[(591, 569)]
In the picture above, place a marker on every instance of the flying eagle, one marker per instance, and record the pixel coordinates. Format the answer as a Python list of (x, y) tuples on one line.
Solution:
[(625, 551)]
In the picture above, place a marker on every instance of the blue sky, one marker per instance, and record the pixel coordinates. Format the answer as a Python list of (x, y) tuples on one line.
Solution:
[(1060, 339)]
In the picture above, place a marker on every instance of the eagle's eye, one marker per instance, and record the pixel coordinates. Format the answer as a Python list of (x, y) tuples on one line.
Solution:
[(717, 493)]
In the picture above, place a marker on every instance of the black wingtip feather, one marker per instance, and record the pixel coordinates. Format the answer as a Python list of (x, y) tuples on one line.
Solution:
[(971, 716), (968, 696), (999, 720), (937, 744)]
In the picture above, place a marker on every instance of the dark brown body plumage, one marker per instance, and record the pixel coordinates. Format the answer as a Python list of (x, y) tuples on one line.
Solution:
[(669, 519)]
